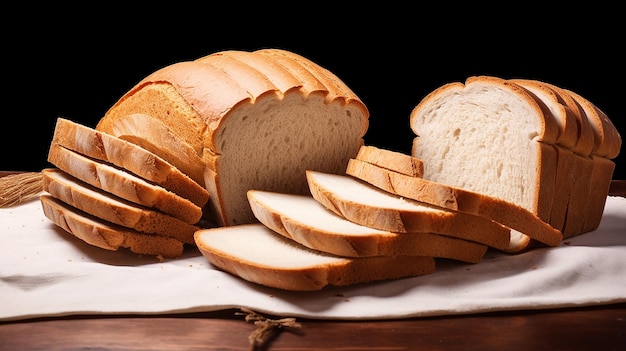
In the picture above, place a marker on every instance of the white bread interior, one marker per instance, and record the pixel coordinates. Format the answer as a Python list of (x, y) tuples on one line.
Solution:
[(305, 220), (514, 141), (257, 254)]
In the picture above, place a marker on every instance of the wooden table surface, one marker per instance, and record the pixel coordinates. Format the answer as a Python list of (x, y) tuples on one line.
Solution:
[(578, 328)]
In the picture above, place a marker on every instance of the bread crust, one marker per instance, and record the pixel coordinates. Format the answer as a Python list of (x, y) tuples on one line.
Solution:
[(129, 156), (498, 210), (202, 105), (400, 215), (112, 209), (249, 251), (303, 219), (397, 161), (123, 184), (98, 233)]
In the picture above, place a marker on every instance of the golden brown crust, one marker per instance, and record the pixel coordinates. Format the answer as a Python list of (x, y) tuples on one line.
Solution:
[(112, 209), (320, 270), (465, 201), (105, 235), (129, 156), (397, 161), (123, 184), (274, 211), (421, 218)]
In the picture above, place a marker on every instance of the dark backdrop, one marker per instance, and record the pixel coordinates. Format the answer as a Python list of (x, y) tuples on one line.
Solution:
[(76, 66)]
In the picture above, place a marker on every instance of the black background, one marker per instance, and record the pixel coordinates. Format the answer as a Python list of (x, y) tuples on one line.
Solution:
[(76, 63)]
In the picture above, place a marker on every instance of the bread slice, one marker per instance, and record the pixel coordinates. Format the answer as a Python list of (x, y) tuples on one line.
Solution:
[(237, 120), (574, 147), (102, 234), (367, 205), (525, 224), (257, 254), (121, 153), (114, 209), (305, 220), (123, 184), (607, 143), (397, 161)]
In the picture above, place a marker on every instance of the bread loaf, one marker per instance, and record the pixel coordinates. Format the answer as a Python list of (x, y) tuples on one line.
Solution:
[(257, 254), (496, 137), (304, 220), (235, 121)]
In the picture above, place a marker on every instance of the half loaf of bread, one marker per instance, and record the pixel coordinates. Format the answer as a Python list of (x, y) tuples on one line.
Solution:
[(521, 141), (236, 120), (259, 255)]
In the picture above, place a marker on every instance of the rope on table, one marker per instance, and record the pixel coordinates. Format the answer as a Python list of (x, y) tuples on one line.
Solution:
[(266, 328), (19, 187)]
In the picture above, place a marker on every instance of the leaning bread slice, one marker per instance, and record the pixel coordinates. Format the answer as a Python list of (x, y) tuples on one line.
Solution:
[(397, 161), (123, 184), (305, 220), (370, 206), (106, 147), (257, 254), (509, 214), (114, 209), (96, 232)]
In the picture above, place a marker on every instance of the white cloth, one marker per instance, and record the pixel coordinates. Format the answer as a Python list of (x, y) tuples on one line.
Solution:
[(44, 271)]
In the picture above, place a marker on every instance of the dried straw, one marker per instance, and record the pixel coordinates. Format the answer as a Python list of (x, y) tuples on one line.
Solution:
[(19, 187)]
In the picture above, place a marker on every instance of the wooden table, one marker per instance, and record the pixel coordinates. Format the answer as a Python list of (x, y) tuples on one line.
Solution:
[(576, 328)]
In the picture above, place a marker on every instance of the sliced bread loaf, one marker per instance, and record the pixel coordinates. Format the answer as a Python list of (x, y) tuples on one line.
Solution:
[(237, 120), (102, 234), (362, 203), (513, 140), (114, 209), (305, 220), (123, 154), (490, 136), (123, 184), (257, 254)]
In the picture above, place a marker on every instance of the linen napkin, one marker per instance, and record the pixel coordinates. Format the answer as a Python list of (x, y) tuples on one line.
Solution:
[(45, 271)]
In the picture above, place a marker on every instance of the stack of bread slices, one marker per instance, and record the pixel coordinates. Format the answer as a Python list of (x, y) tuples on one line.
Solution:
[(355, 229), (111, 193)]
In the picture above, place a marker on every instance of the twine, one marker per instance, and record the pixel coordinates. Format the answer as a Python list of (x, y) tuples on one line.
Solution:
[(266, 328)]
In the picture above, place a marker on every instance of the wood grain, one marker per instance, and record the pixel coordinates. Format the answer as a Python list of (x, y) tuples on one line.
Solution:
[(591, 328)]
